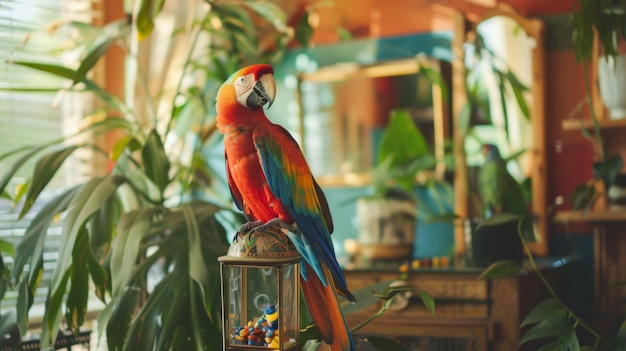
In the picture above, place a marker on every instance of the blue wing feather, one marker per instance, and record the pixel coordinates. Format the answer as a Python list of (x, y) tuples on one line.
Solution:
[(290, 180)]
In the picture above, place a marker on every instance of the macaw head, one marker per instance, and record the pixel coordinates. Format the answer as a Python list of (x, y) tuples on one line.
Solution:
[(491, 152), (251, 87)]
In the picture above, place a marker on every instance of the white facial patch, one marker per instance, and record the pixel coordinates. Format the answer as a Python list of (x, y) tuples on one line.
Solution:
[(243, 86)]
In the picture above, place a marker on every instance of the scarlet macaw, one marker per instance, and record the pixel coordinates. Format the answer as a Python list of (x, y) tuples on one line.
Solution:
[(271, 182)]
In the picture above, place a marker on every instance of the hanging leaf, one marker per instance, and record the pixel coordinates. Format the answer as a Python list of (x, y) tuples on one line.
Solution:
[(118, 317), (271, 12), (111, 32), (566, 342), (549, 327), (76, 301), (148, 10), (132, 228), (548, 308), (155, 161), (17, 164), (504, 268), (45, 169), (87, 201), (29, 250), (304, 31)]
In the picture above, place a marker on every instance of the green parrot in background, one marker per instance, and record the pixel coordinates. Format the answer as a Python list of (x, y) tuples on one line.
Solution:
[(500, 192)]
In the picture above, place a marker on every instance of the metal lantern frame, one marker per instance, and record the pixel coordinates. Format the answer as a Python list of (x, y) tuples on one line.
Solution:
[(246, 265)]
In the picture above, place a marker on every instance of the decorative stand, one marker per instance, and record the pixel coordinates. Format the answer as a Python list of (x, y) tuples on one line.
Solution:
[(261, 292)]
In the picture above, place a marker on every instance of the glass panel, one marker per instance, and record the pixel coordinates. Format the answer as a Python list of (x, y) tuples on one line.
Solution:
[(291, 302), (260, 314)]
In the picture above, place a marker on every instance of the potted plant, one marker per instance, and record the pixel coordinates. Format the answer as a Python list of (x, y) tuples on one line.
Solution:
[(387, 217), (157, 209)]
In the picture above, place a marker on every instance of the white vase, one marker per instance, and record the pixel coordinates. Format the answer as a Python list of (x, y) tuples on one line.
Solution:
[(386, 228), (612, 84)]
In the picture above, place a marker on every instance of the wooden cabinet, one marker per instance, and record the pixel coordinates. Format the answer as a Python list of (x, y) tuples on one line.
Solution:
[(470, 314)]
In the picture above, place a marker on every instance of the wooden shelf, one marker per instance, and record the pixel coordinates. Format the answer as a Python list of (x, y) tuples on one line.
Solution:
[(591, 217), (574, 124)]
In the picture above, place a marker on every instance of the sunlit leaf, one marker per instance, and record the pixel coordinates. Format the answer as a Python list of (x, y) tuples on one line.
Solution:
[(148, 10), (500, 269), (271, 12), (45, 169), (17, 164), (98, 50)]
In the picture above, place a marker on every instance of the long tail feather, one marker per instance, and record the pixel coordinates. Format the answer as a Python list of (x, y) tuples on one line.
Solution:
[(325, 311)]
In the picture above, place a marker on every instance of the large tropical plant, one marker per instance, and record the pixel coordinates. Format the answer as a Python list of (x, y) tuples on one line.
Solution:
[(157, 208)]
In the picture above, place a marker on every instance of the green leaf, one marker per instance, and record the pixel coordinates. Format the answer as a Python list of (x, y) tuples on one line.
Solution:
[(271, 12), (45, 169), (111, 32), (16, 165), (69, 73), (76, 302), (197, 265), (22, 307), (155, 161), (52, 315), (56, 70), (549, 327), (546, 309), (304, 31), (30, 248), (90, 197), (384, 344), (503, 268), (499, 219), (120, 316), (133, 226), (101, 228), (90, 60), (148, 10), (583, 195), (608, 169), (7, 248), (566, 342)]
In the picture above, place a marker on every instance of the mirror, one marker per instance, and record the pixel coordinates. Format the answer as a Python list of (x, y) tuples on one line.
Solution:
[(345, 107), (499, 99)]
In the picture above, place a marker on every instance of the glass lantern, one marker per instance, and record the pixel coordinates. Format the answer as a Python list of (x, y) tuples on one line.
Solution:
[(261, 292)]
